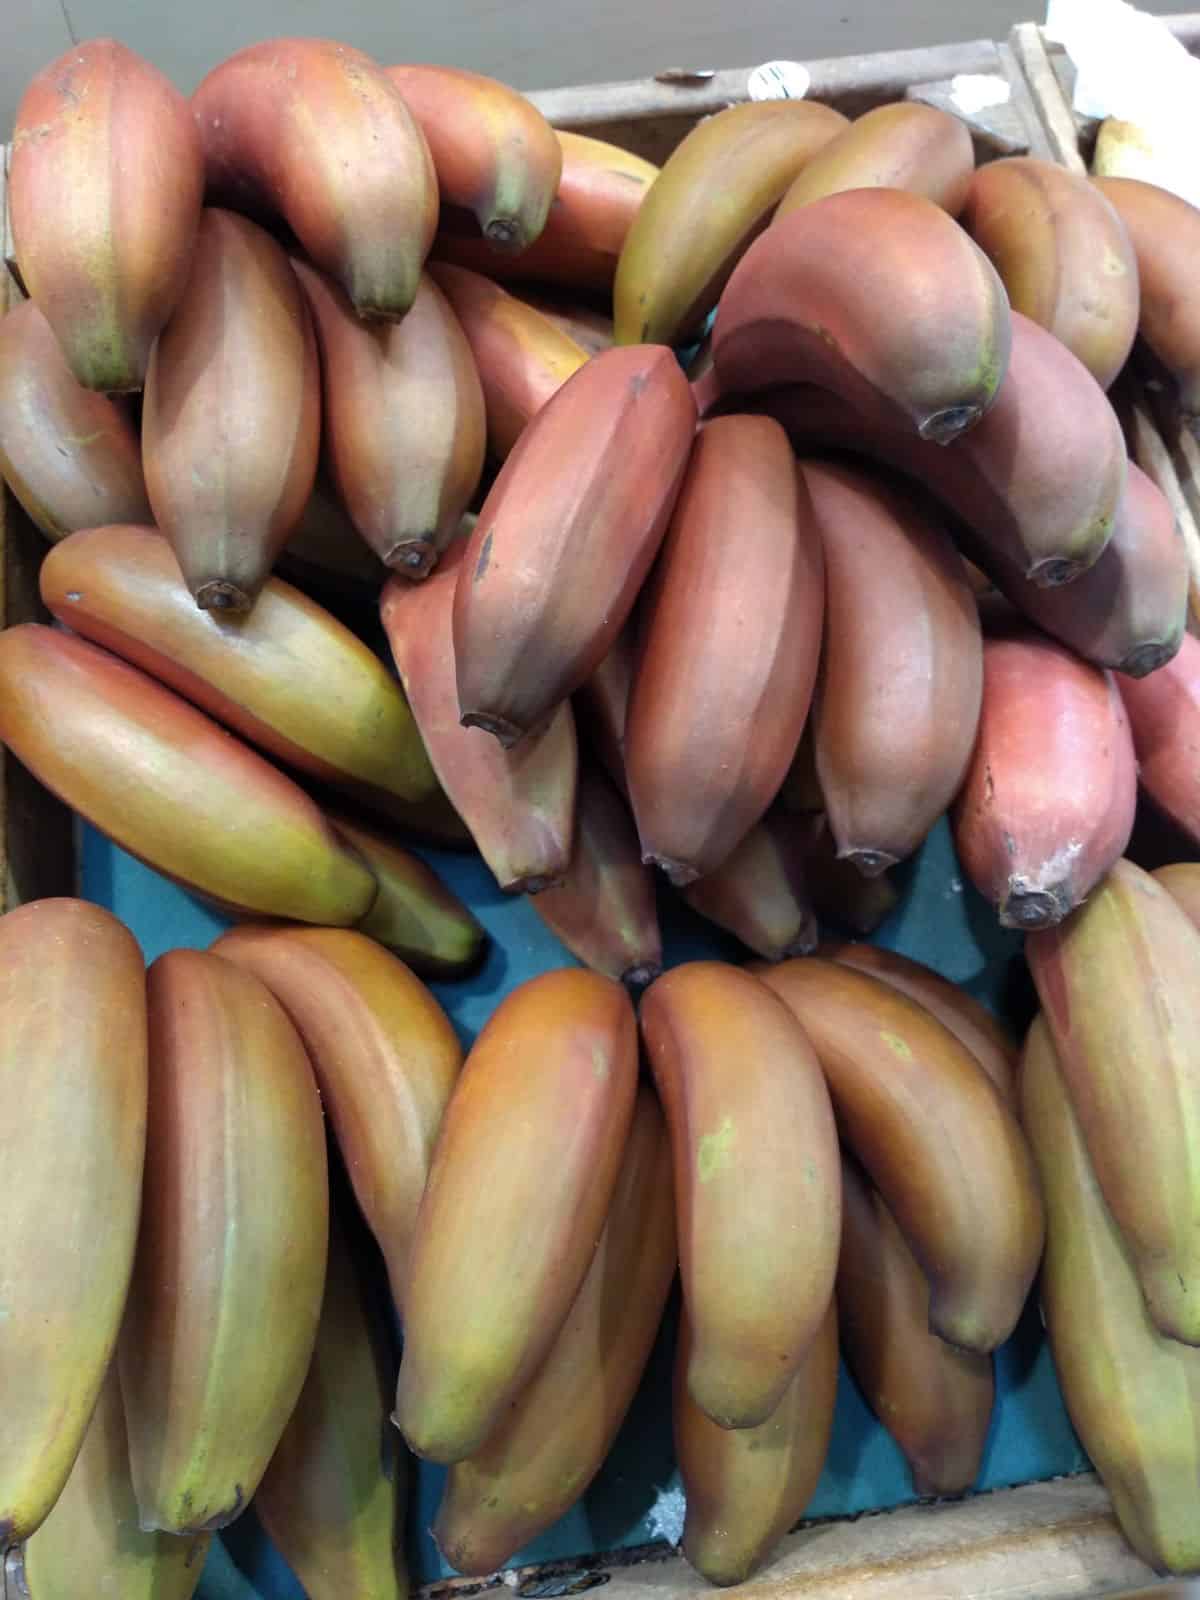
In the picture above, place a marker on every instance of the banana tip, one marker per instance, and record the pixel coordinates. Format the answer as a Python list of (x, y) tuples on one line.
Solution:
[(1147, 658), (641, 975), (499, 727), (1029, 910), (412, 557), (870, 863), (679, 873), (504, 234), (942, 427), (1054, 572), (219, 595)]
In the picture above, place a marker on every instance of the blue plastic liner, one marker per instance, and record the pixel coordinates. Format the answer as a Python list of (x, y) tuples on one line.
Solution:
[(636, 1499)]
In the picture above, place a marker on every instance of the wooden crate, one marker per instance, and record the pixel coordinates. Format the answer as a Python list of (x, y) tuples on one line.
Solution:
[(1056, 1540), (1158, 442)]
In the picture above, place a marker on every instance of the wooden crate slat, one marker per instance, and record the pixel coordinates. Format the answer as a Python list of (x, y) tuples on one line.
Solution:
[(1046, 1541)]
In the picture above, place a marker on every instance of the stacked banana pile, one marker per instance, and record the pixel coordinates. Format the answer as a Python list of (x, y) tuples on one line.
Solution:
[(336, 361)]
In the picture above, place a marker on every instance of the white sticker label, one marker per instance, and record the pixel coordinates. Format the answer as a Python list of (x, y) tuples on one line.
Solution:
[(976, 91), (779, 80)]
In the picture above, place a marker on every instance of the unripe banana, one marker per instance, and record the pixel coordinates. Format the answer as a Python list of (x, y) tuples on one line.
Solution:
[(493, 151), (122, 588), (905, 145), (71, 457), (760, 893), (226, 1290), (1119, 983), (746, 1487), (523, 359), (519, 804), (1048, 801), (162, 781), (1164, 717), (232, 416), (1164, 230), (897, 702), (414, 914), (1064, 255), (91, 1542), (804, 306), (73, 1076), (385, 1058), (541, 1458), (404, 425), (971, 1023), (1036, 485), (757, 1182), (1133, 1396), (316, 131), (566, 538), (332, 1498), (715, 193), (604, 910), (936, 1138), (935, 1401), (522, 1178), (731, 637), (105, 180), (599, 192)]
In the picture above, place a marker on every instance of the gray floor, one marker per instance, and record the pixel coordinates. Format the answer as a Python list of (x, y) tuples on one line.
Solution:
[(531, 43)]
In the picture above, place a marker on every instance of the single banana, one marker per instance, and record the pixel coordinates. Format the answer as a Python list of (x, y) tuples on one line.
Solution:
[(877, 295), (404, 424), (523, 358), (167, 784), (315, 131), (71, 457), (567, 536), (1036, 485), (513, 1211), (1164, 230), (385, 1058), (599, 192), (1133, 1395), (414, 914), (1047, 804), (604, 910), (226, 1290), (897, 702), (332, 1498), (231, 421), (731, 638), (902, 145), (1164, 716), (971, 1023), (541, 1458), (1063, 254), (715, 193), (519, 804), (760, 893), (105, 179), (73, 1076), (91, 1542), (494, 153), (746, 1487), (936, 1138), (935, 1401), (122, 588), (757, 1182), (1119, 983)]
